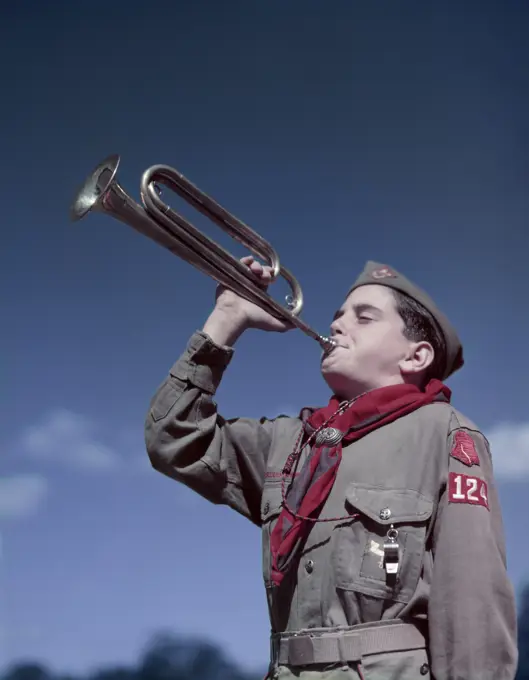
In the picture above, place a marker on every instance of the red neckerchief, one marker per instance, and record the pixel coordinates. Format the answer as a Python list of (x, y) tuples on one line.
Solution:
[(310, 489)]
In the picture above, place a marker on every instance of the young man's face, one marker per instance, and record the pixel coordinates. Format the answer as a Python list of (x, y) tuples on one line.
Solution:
[(371, 345)]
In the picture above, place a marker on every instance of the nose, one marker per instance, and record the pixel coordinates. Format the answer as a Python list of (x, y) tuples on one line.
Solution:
[(335, 328)]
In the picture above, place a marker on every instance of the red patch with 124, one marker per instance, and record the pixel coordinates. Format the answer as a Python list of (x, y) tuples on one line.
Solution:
[(464, 449), (467, 489)]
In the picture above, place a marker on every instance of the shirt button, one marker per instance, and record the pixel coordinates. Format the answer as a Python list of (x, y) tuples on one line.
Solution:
[(424, 669), (385, 513), (309, 566), (266, 507)]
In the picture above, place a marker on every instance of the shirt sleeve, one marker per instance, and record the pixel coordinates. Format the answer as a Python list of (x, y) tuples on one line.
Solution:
[(188, 440), (472, 609)]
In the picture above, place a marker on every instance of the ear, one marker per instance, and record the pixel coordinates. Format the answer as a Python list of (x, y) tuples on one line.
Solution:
[(420, 355)]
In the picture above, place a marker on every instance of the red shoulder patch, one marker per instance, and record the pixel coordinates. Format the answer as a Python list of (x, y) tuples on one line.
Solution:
[(466, 489), (464, 449)]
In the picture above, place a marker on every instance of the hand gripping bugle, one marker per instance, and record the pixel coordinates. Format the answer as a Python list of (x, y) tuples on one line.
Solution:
[(159, 222)]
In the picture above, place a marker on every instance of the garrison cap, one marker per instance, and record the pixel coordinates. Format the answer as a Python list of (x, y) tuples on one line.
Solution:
[(380, 274)]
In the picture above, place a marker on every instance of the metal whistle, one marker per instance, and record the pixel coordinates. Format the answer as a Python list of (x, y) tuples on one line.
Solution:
[(391, 552)]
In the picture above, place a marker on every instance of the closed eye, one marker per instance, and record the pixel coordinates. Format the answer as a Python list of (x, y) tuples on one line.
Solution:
[(366, 313)]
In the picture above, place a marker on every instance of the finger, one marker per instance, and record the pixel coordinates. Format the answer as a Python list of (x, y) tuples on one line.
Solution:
[(252, 264), (257, 268), (266, 275)]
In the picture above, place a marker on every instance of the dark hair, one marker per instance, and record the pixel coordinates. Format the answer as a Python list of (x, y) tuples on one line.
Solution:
[(419, 325)]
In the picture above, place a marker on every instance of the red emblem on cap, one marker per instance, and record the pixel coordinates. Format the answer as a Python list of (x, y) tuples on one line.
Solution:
[(464, 449), (466, 489), (382, 273)]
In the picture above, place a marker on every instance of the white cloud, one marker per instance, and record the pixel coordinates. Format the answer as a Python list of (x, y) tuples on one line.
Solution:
[(509, 445), (22, 495), (69, 439)]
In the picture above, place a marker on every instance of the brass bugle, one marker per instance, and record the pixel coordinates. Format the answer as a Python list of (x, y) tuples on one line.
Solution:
[(102, 193)]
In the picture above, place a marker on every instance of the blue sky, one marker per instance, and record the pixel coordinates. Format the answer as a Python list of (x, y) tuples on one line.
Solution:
[(341, 133)]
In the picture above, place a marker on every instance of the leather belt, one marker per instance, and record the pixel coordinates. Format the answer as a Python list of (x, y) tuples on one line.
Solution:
[(343, 645)]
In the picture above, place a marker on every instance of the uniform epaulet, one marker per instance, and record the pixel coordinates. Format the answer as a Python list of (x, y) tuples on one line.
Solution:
[(460, 422)]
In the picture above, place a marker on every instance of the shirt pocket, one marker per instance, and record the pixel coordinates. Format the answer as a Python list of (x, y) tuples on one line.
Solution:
[(358, 553)]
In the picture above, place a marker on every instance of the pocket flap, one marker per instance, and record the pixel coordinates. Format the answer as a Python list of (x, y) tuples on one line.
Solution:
[(389, 506), (271, 501), (164, 400)]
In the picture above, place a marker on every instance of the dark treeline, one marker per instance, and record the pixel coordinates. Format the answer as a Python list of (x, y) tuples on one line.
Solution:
[(168, 657)]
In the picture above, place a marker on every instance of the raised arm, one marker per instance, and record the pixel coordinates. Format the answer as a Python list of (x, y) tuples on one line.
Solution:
[(185, 436)]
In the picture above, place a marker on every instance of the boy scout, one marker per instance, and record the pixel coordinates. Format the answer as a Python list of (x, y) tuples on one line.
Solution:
[(383, 547)]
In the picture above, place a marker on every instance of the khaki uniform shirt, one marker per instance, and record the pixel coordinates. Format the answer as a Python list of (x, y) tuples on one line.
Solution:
[(452, 566)]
